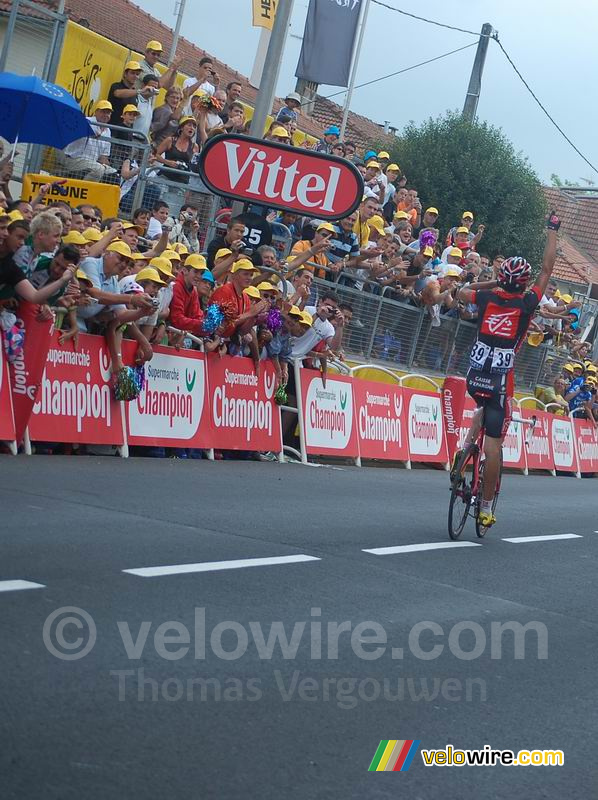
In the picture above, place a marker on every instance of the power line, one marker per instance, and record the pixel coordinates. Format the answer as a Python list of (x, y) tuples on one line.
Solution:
[(423, 19), (529, 89), (405, 69)]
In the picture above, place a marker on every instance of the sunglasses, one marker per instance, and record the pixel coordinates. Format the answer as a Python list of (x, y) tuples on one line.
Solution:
[(88, 217)]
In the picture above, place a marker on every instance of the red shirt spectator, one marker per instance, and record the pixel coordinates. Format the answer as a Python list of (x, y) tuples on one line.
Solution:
[(185, 311)]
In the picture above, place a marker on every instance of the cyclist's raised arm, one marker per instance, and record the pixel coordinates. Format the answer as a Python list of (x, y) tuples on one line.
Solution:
[(553, 224), (467, 294)]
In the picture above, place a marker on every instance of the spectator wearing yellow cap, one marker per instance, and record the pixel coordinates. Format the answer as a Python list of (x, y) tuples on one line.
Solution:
[(462, 236), (185, 230), (374, 181), (392, 173), (124, 92), (317, 260), (90, 158), (232, 294), (368, 208), (280, 134), (149, 65)]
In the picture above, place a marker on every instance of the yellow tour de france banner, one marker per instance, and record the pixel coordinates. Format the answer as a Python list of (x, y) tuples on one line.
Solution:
[(74, 192), (264, 12)]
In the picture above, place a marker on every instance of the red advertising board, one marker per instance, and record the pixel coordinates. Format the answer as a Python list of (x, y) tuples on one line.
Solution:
[(243, 413), (513, 446), (457, 410), (425, 426), (328, 416), (539, 447), (380, 420), (26, 370), (563, 444), (281, 176), (75, 402), (7, 423), (172, 409), (586, 439)]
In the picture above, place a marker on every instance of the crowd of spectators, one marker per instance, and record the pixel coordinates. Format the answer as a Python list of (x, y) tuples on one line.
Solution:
[(152, 279)]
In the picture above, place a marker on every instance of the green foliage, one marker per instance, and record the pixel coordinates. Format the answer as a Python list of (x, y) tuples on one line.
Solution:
[(461, 166)]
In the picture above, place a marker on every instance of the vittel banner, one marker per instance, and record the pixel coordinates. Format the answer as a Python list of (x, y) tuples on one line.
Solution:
[(380, 416), (243, 413), (586, 437), (328, 416), (7, 423), (539, 448), (75, 402), (171, 409), (563, 446), (427, 441)]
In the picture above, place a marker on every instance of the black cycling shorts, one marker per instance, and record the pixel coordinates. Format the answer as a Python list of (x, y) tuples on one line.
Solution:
[(493, 392)]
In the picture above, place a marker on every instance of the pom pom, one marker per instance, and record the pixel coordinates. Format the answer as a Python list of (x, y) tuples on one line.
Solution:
[(14, 341), (274, 322), (213, 319), (139, 377), (229, 309), (126, 384), (281, 398), (427, 239)]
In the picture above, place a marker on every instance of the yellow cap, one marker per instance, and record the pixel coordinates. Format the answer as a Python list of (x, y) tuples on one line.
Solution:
[(244, 263), (15, 215), (154, 45), (295, 311), (373, 164), (534, 339), (383, 154), (149, 274), (592, 369), (74, 237), (307, 318), (462, 229), (280, 131), (133, 65), (568, 367), (199, 93), (467, 215), (92, 235), (252, 291), (326, 226), (80, 275), (162, 264), (456, 252), (128, 225), (432, 210), (392, 167), (222, 253), (452, 273), (185, 120), (377, 223), (130, 108), (428, 251), (122, 248), (139, 257), (195, 261), (265, 286), (171, 255), (401, 215), (104, 105), (566, 298), (180, 248)]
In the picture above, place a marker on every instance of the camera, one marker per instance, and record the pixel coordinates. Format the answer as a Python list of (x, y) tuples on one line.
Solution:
[(247, 251)]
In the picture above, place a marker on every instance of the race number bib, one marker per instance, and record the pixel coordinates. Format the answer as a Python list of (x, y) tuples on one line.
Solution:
[(479, 354), (502, 359)]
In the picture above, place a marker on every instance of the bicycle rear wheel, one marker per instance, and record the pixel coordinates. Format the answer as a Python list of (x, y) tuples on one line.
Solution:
[(482, 530), (460, 502)]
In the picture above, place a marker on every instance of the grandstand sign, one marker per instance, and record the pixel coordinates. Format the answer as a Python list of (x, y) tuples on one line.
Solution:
[(280, 176)]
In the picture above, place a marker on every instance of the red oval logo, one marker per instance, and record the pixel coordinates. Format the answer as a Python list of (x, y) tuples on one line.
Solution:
[(280, 176)]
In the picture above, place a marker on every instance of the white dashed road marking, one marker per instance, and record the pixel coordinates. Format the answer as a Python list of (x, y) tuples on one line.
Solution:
[(16, 586), (414, 548), (214, 566), (518, 539)]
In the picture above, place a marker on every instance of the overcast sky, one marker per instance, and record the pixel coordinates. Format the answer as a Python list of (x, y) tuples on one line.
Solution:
[(552, 43)]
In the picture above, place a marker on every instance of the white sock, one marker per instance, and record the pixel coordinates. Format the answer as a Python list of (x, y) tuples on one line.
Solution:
[(486, 506)]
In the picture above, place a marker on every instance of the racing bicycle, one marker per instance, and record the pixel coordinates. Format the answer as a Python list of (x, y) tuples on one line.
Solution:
[(467, 492)]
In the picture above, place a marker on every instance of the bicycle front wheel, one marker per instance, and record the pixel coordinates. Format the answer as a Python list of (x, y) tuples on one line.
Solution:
[(459, 506)]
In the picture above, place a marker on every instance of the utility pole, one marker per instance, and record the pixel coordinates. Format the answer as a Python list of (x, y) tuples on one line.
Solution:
[(475, 81), (364, 15), (179, 21), (267, 90)]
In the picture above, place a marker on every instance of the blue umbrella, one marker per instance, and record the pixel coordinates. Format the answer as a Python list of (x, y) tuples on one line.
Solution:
[(37, 112)]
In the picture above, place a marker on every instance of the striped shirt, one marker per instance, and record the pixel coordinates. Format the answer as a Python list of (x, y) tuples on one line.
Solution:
[(343, 243)]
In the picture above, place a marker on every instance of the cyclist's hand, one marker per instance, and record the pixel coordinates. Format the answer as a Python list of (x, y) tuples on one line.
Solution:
[(553, 223)]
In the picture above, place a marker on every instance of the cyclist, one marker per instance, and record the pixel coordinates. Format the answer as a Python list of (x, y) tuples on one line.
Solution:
[(505, 310)]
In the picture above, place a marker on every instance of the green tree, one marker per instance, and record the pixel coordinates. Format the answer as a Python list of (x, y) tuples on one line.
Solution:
[(461, 166)]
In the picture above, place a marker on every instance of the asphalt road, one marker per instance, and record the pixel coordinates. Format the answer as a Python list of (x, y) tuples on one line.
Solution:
[(218, 710)]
